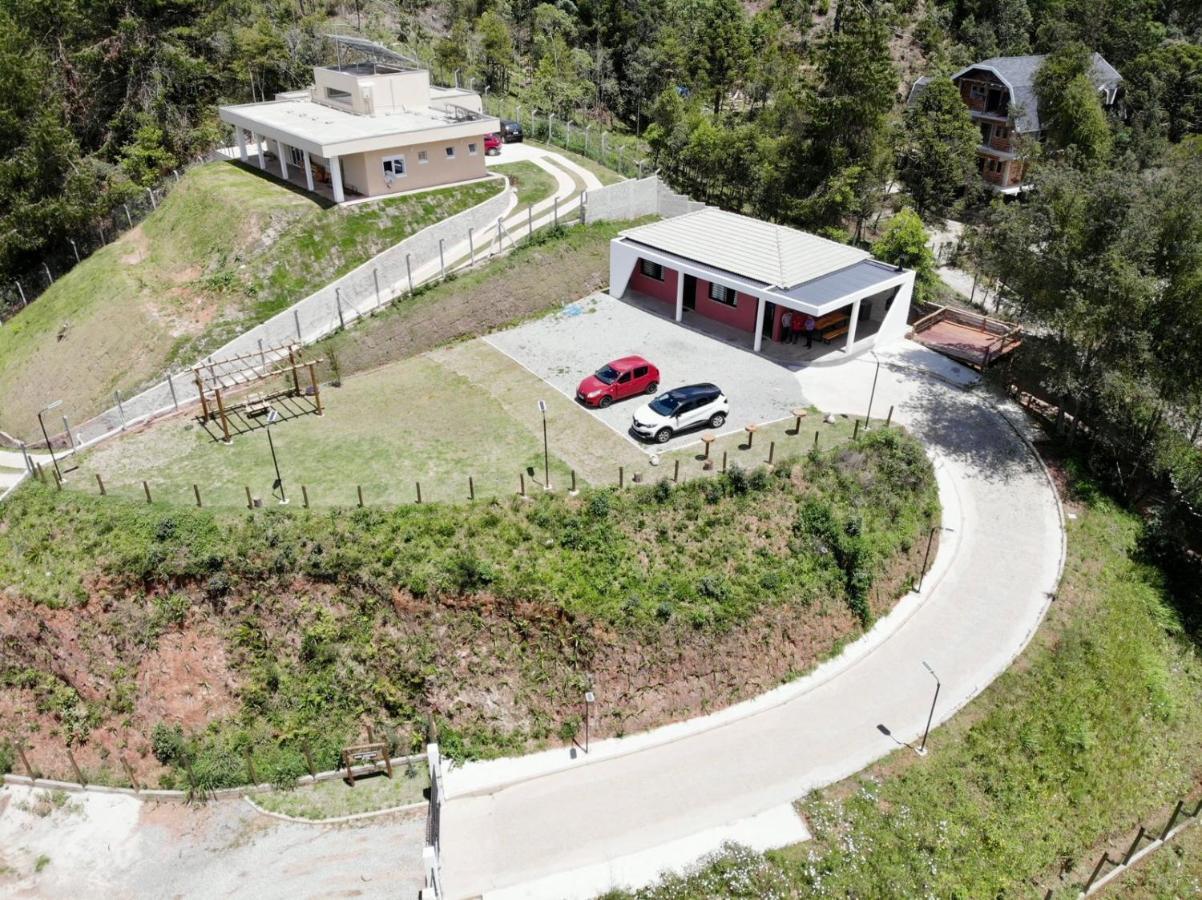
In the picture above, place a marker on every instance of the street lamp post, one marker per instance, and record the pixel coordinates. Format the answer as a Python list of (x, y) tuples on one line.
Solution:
[(272, 418), (42, 422), (542, 408), (589, 699), (922, 750), (872, 393)]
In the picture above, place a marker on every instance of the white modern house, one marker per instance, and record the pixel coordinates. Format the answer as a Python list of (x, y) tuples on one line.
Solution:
[(367, 128), (746, 273)]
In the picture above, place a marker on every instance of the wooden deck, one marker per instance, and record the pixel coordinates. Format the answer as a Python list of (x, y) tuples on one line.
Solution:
[(966, 337)]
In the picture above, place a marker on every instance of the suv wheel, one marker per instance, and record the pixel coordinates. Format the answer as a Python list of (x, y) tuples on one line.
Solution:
[(717, 420), (652, 388), (663, 435), (605, 401)]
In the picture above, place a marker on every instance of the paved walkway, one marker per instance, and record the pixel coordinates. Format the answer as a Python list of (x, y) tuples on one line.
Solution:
[(573, 828)]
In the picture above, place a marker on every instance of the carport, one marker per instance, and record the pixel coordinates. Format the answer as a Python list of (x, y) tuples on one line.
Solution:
[(746, 273)]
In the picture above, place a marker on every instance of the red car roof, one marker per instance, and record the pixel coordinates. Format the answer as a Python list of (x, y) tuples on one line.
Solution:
[(628, 362)]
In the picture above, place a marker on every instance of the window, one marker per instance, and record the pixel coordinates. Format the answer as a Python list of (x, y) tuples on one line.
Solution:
[(450, 152), (651, 269), (976, 91), (724, 294), (640, 371), (337, 95), (394, 167), (624, 378), (471, 149), (422, 157), (1001, 131), (296, 157)]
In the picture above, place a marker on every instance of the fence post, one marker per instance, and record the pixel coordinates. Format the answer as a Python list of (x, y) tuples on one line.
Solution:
[(129, 773), (296, 322), (676, 471), (338, 303), (100, 484), (196, 491), (75, 768), (442, 260), (1139, 836), (153, 205), (25, 761), (305, 496), (250, 503), (1096, 871), (771, 451), (309, 760), (375, 274), (262, 355), (419, 491), (500, 239), (171, 386), (889, 418), (49, 277), (70, 437), (21, 291), (1172, 820), (555, 207), (146, 489), (128, 218), (250, 767), (583, 207), (471, 245), (521, 484), (409, 271), (359, 488), (723, 460), (530, 221), (621, 476), (120, 408), (75, 247)]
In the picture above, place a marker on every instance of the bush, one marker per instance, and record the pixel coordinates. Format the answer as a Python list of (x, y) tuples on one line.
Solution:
[(167, 743)]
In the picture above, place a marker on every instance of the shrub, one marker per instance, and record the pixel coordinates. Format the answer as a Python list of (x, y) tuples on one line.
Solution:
[(167, 743)]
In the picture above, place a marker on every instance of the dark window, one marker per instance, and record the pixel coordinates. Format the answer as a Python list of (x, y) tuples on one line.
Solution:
[(624, 378), (723, 294), (640, 371), (651, 269)]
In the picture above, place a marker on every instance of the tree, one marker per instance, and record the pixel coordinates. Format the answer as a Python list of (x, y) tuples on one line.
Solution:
[(496, 48), (1070, 108), (938, 157), (904, 244), (725, 48)]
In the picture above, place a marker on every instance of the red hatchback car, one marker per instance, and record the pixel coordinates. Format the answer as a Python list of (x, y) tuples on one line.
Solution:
[(622, 378), (492, 145)]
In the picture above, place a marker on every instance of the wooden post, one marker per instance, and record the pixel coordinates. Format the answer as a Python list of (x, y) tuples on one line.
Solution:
[(295, 376), (250, 767), (146, 488), (856, 431), (129, 773), (676, 471), (309, 760), (621, 476), (75, 768), (1139, 836), (521, 484), (200, 389), (1096, 871), (316, 389), (573, 481), (889, 418), (419, 491), (387, 760), (196, 491), (25, 761), (771, 451), (250, 503), (58, 479), (100, 484), (816, 434), (1172, 820), (471, 488), (750, 429), (359, 488), (305, 496), (225, 423), (723, 460)]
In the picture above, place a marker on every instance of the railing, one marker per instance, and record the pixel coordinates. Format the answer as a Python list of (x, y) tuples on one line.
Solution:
[(432, 852)]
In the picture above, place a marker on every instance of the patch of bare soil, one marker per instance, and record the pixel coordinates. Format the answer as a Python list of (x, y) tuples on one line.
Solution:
[(186, 679)]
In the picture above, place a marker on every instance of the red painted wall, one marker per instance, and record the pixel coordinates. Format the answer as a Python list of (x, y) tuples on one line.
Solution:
[(661, 290), (740, 316)]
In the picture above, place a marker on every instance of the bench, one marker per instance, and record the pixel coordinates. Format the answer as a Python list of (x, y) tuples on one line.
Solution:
[(255, 405), (831, 333), (833, 318)]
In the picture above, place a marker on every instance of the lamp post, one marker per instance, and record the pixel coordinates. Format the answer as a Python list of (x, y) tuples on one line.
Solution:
[(589, 700), (872, 393), (278, 484), (542, 408), (922, 750), (42, 422)]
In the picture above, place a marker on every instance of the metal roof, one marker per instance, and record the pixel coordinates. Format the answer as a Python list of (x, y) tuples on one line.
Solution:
[(838, 285), (763, 251)]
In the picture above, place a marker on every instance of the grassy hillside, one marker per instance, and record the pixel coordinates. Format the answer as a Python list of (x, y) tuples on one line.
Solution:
[(1092, 732), (123, 621), (227, 248)]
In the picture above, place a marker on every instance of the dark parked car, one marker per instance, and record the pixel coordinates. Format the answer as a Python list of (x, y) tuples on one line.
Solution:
[(511, 132)]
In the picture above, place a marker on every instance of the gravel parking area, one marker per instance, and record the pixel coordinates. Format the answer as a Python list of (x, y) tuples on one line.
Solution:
[(564, 347)]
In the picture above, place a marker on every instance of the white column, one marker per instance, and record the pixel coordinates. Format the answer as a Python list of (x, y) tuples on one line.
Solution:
[(759, 324), (679, 295), (279, 148), (240, 135), (851, 329), (259, 147), (336, 179), (308, 172)]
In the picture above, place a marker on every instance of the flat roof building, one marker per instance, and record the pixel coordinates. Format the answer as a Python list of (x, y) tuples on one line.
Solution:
[(749, 275), (367, 128)]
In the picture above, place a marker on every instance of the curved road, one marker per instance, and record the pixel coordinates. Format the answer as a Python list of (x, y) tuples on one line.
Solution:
[(574, 832)]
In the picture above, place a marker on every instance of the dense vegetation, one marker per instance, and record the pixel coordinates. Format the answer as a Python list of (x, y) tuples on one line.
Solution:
[(1095, 728), (330, 619)]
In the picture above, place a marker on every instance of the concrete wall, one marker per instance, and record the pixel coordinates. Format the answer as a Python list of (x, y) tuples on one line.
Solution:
[(369, 94), (661, 290), (742, 315), (364, 172), (635, 198)]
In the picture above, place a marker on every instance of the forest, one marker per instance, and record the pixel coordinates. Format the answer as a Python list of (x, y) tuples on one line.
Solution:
[(792, 110)]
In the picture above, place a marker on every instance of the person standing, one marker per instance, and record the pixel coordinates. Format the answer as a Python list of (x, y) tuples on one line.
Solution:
[(796, 328), (786, 322), (810, 326)]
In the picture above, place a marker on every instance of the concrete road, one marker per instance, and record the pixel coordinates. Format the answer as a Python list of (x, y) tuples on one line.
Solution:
[(577, 831), (565, 347)]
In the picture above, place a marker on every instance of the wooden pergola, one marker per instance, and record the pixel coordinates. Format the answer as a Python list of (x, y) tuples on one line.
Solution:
[(218, 378)]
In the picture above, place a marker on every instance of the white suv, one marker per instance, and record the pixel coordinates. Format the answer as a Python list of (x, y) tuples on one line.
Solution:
[(680, 409)]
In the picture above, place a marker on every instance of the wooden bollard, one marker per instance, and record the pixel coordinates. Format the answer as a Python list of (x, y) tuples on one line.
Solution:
[(471, 488), (305, 496), (708, 439), (146, 488), (250, 503), (771, 451), (750, 429), (100, 484), (889, 418), (196, 491), (856, 431), (359, 488), (418, 485), (573, 481), (309, 759), (25, 761), (799, 413), (58, 479), (521, 484), (621, 476), (75, 768), (723, 460), (816, 434), (250, 767), (129, 773), (676, 471)]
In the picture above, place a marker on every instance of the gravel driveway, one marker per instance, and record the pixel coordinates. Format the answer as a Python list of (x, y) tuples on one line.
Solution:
[(564, 347)]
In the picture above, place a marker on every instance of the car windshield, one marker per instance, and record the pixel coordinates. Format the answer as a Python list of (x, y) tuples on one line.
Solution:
[(666, 404), (607, 374)]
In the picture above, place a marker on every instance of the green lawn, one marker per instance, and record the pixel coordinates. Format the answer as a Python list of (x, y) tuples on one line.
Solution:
[(1096, 726), (227, 248), (532, 182), (334, 798)]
